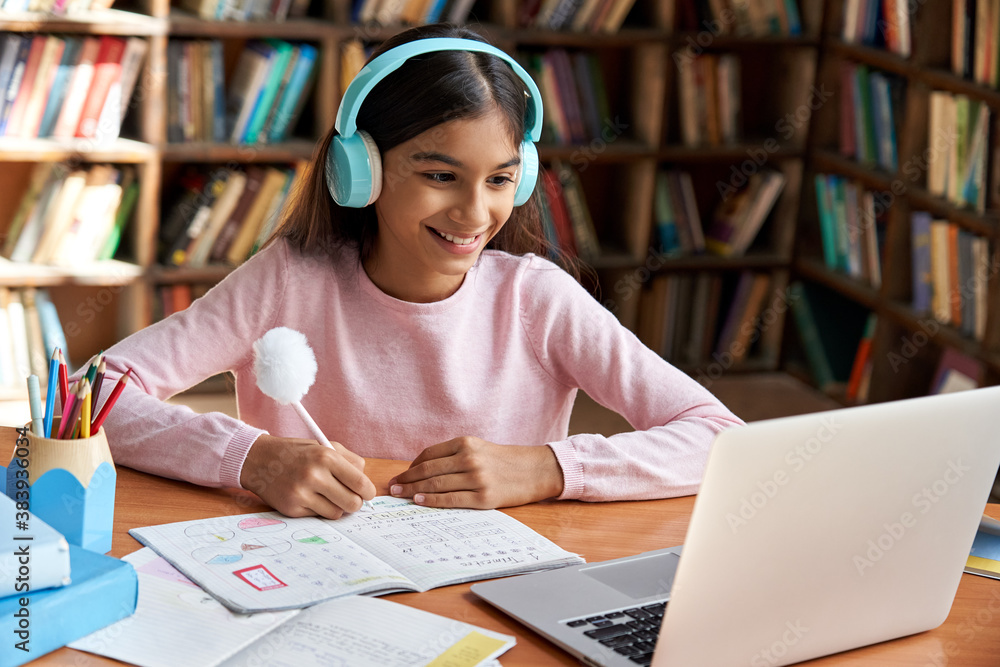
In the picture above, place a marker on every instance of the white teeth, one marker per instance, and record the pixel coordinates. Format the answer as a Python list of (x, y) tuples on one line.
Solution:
[(456, 239)]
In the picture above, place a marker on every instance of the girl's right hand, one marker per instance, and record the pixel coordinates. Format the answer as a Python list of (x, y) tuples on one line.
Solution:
[(301, 477)]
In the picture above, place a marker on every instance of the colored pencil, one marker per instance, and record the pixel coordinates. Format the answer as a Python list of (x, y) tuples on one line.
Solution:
[(35, 405), (92, 371), (67, 413), (63, 377), (50, 394), (85, 413), (98, 380), (108, 404)]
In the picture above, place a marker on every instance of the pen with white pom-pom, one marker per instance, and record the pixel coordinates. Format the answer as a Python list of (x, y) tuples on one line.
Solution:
[(286, 367)]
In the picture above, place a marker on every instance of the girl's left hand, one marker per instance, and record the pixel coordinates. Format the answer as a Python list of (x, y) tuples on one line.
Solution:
[(471, 472)]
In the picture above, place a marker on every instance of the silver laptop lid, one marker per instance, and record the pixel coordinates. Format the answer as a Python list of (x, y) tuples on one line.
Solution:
[(824, 532)]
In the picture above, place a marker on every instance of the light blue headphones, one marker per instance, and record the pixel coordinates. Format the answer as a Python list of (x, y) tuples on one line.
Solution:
[(353, 163)]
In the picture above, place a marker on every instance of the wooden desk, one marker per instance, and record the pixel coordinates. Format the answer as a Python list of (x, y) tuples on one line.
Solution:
[(970, 636)]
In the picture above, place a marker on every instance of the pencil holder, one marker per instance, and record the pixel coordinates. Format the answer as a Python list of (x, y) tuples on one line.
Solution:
[(71, 485)]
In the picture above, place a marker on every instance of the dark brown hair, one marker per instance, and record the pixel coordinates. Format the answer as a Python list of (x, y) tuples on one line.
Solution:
[(424, 92)]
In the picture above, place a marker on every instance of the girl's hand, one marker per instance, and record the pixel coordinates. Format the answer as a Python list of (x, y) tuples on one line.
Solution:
[(471, 472), (302, 477)]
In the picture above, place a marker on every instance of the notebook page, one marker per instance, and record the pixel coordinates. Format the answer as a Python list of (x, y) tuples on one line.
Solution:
[(176, 623), (436, 547), (369, 632), (269, 562)]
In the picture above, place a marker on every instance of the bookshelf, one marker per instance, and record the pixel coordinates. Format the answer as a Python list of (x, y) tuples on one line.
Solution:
[(909, 342), (617, 171)]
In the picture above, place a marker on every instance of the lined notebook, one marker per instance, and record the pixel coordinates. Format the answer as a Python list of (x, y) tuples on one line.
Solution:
[(176, 623), (270, 562)]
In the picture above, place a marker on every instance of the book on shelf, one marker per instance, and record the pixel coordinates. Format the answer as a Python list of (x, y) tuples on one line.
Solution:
[(245, 10), (871, 105), (709, 94), (956, 371), (859, 380), (71, 218), (677, 191), (573, 89), (878, 23), (951, 270), (594, 16), (245, 581), (974, 32), (584, 234), (30, 330), (741, 17), (742, 318), (958, 134), (804, 319), (738, 218), (558, 220), (850, 228)]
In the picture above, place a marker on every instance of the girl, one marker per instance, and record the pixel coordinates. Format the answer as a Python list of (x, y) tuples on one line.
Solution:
[(439, 337)]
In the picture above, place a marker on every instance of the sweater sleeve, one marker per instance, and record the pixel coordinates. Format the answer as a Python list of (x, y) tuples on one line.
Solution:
[(214, 335), (582, 345)]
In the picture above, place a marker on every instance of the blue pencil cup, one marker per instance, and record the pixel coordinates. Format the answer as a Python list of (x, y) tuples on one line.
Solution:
[(71, 485)]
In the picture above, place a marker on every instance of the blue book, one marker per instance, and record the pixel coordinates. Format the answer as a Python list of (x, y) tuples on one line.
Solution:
[(794, 20), (103, 590), (60, 84), (219, 99), (9, 94), (292, 100), (34, 556), (882, 114), (920, 268), (8, 58), (434, 11), (827, 224), (52, 331), (282, 53)]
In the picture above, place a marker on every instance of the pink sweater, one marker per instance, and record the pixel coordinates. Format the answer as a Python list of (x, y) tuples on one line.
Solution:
[(500, 359)]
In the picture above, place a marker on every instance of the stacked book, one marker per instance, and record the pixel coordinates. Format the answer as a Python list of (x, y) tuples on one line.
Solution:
[(575, 98), (740, 215), (950, 272), (709, 94), (871, 104), (958, 137), (67, 86), (222, 216), (30, 330), (566, 219), (849, 217), (72, 215), (246, 10), (260, 104), (579, 16), (879, 23)]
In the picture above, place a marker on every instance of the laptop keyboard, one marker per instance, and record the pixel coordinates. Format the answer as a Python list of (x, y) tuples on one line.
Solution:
[(631, 632)]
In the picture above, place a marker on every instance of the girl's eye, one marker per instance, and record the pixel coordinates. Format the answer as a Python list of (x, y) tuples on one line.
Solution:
[(438, 177), (501, 180)]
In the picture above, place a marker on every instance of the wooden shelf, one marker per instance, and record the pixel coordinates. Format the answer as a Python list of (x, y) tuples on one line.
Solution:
[(87, 150), (733, 152), (869, 55), (853, 288), (288, 151), (163, 275), (618, 150), (107, 273), (106, 22), (180, 24), (875, 178)]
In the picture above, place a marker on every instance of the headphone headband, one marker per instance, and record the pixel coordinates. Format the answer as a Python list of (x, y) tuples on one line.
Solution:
[(387, 63)]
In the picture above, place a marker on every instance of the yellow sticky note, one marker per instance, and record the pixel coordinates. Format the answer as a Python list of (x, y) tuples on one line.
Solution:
[(983, 564), (471, 649)]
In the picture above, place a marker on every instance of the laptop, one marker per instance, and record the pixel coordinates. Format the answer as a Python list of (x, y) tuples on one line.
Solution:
[(811, 535)]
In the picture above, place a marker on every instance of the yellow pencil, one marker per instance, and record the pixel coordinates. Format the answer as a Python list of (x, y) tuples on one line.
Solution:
[(85, 413)]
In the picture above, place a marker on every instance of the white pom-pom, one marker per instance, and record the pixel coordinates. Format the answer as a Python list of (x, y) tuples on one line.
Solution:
[(285, 365)]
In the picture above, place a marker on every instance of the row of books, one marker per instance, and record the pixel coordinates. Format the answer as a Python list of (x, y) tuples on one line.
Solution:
[(64, 87), (709, 99), (851, 227), (72, 215), (576, 15), (574, 94), (55, 7), (870, 106), (879, 23), (223, 215), (958, 136), (975, 30), (735, 223), (740, 17), (30, 330), (950, 272), (410, 12), (684, 316), (566, 219), (246, 10), (260, 104)]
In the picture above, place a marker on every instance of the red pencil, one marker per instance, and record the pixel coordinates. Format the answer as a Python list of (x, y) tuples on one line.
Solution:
[(108, 404), (68, 422), (63, 377)]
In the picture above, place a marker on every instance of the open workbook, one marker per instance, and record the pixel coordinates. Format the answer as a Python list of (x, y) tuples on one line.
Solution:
[(270, 562), (176, 623)]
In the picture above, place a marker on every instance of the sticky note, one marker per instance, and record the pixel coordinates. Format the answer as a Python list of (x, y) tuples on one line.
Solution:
[(470, 650)]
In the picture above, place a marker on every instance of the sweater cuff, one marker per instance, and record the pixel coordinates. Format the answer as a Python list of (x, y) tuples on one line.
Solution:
[(236, 454), (572, 469)]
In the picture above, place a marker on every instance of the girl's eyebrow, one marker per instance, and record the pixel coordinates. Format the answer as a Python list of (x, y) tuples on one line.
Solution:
[(434, 156)]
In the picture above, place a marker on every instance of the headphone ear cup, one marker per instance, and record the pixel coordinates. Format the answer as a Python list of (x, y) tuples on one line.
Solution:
[(354, 170), (529, 172)]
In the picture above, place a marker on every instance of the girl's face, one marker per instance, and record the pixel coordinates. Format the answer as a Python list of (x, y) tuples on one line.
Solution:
[(445, 194)]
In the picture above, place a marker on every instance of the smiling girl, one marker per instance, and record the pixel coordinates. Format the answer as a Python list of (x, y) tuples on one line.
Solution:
[(440, 333)]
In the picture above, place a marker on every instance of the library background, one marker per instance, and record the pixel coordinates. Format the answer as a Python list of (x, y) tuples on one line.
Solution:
[(800, 186)]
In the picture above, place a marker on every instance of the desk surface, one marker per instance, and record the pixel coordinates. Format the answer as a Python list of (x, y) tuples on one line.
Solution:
[(970, 636)]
